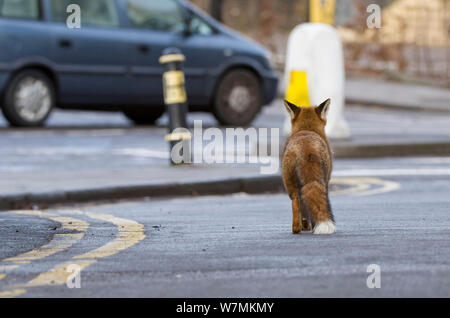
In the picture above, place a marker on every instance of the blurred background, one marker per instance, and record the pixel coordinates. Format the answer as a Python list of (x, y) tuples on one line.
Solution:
[(397, 97), (413, 43)]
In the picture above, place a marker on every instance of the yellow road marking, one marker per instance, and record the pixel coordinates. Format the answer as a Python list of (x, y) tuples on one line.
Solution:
[(58, 243), (129, 233), (364, 186), (354, 186), (7, 268), (58, 275), (12, 293), (385, 186)]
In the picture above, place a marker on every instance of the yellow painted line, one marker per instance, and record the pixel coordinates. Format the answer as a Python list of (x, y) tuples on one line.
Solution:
[(58, 275), (364, 186), (354, 186), (385, 186), (7, 268), (12, 293), (59, 242), (129, 233)]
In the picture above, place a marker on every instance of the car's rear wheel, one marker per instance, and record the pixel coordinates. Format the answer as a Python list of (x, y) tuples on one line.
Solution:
[(144, 115), (238, 98), (29, 99)]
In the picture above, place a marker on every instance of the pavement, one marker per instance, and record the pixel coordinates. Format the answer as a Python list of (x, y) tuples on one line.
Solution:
[(84, 157), (390, 94), (240, 245)]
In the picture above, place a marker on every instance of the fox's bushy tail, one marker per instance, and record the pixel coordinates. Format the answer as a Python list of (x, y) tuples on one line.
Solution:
[(313, 192)]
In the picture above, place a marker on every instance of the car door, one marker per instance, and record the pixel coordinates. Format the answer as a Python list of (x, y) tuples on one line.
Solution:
[(206, 52), (92, 61), (24, 37), (153, 26)]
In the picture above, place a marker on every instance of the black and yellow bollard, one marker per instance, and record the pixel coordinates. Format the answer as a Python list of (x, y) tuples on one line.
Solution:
[(175, 100)]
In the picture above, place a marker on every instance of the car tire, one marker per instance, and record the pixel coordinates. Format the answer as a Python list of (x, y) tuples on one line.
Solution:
[(29, 99), (147, 116), (238, 98)]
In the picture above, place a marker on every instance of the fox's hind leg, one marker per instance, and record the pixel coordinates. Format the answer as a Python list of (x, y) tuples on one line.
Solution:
[(296, 217), (306, 225), (315, 198)]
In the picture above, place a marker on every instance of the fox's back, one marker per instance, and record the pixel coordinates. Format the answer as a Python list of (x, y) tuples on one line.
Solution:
[(311, 153)]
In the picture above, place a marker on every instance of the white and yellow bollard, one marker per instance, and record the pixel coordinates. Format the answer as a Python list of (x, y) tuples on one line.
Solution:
[(315, 71)]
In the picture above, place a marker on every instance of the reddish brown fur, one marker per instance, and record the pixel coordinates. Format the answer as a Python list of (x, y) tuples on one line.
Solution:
[(306, 167)]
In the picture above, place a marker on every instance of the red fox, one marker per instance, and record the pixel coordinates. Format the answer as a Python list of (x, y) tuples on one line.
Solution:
[(306, 166)]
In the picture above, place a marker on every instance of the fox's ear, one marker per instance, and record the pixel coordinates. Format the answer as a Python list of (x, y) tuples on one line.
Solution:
[(292, 109), (322, 109)]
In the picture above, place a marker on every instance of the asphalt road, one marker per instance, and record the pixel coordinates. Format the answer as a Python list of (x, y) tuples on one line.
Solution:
[(241, 245)]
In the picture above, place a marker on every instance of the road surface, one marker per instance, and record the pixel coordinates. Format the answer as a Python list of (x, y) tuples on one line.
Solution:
[(393, 213)]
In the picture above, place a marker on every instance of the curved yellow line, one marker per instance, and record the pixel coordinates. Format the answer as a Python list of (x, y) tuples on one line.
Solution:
[(58, 275), (385, 186), (58, 243), (12, 293), (129, 233), (355, 186), (364, 186)]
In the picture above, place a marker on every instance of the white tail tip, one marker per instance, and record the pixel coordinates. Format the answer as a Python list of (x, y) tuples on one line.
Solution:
[(326, 227)]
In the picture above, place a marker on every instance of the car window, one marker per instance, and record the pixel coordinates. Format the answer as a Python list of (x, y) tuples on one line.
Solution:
[(199, 26), (159, 15), (20, 9), (100, 13)]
